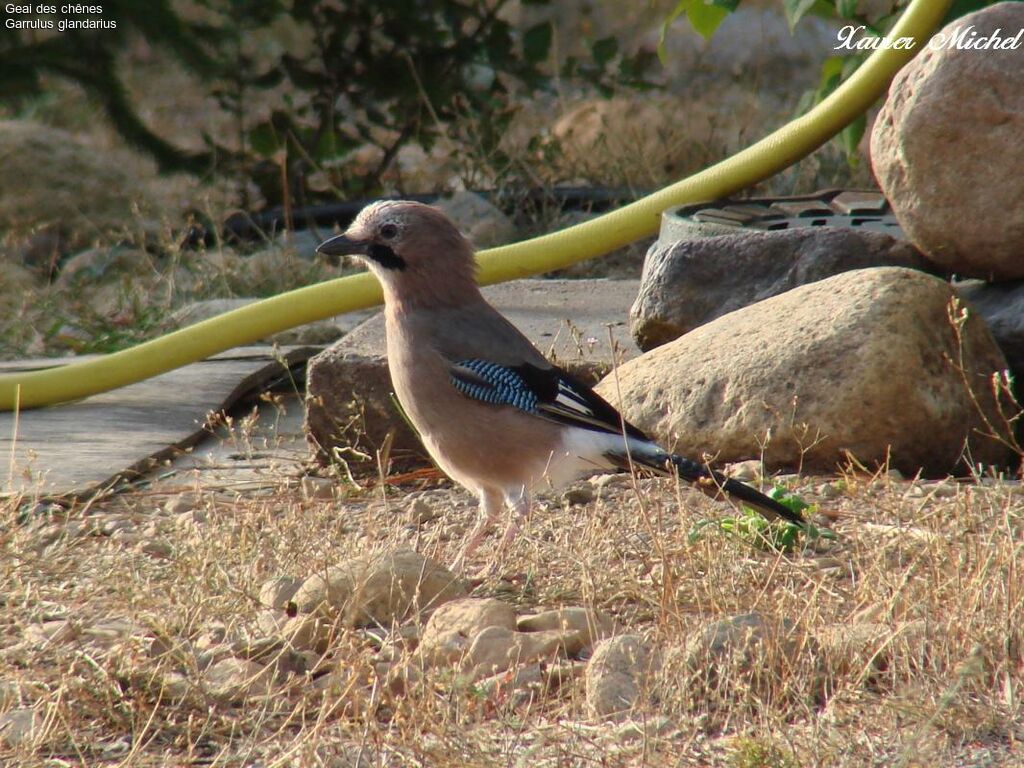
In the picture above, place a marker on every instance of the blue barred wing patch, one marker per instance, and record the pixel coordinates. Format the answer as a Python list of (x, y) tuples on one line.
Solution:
[(495, 384)]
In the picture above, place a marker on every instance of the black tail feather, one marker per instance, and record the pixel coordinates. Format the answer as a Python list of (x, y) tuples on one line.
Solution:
[(712, 482)]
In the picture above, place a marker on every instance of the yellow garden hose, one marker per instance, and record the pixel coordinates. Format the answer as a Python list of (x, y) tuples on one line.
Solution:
[(541, 254)]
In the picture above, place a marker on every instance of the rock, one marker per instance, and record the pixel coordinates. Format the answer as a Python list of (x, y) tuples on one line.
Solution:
[(583, 627), (519, 685), (859, 364), (480, 221), (378, 591), (348, 388), (349, 403), (279, 591), (454, 626), (420, 512), (867, 648), (56, 182), (10, 694), (946, 149), (181, 504), (21, 726), (309, 632), (616, 675), (50, 633), (348, 690), (317, 487), (157, 548), (752, 653), (232, 679), (689, 283), (736, 638), (495, 649), (103, 264), (1001, 306), (578, 495)]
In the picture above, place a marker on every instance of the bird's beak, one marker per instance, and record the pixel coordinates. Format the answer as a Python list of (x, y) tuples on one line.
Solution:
[(342, 245)]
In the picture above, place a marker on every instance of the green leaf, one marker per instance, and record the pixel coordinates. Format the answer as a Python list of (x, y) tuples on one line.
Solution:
[(796, 10), (678, 11), (729, 5), (263, 140), (537, 42), (705, 18), (847, 9), (849, 139), (604, 50)]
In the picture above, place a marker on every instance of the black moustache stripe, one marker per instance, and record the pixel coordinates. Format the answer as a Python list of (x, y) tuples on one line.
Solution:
[(386, 257)]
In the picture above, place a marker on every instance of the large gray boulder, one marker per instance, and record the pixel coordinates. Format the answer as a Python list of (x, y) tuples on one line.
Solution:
[(863, 363), (947, 151), (689, 283)]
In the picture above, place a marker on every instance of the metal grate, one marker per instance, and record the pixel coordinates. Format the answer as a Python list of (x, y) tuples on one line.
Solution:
[(863, 209)]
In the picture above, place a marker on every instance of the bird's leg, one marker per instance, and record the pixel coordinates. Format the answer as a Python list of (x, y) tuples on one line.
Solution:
[(491, 503), (519, 504)]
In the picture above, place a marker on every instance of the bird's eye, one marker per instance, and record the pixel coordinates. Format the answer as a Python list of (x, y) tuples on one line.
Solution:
[(388, 231)]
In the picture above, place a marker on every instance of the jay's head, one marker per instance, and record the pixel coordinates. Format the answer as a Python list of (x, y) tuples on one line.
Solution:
[(411, 247)]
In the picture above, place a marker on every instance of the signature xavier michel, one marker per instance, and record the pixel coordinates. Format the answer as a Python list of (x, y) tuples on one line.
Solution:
[(852, 38)]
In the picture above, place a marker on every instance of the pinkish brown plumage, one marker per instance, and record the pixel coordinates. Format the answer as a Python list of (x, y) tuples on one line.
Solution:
[(494, 414)]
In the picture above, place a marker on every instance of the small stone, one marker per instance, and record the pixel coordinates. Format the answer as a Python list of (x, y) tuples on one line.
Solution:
[(113, 525), (10, 694), (157, 548), (21, 726), (750, 646), (233, 679), (747, 471), (581, 627), (271, 622), (180, 504), (310, 632), (380, 590), (495, 649), (578, 495), (942, 490), (479, 220), (452, 627), (50, 632), (317, 487), (279, 591), (420, 512), (615, 675), (828, 491)]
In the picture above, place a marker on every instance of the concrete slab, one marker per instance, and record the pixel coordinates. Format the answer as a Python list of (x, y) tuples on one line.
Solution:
[(568, 320)]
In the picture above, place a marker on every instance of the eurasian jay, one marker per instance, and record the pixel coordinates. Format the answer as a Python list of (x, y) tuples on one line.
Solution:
[(495, 415)]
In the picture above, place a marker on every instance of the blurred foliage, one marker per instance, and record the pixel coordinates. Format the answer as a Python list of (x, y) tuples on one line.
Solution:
[(357, 72), (877, 20)]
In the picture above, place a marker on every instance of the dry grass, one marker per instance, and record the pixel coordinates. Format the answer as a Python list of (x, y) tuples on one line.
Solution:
[(107, 608), (932, 567)]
